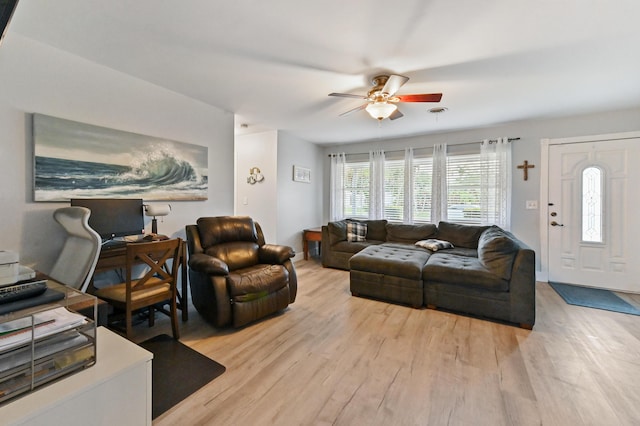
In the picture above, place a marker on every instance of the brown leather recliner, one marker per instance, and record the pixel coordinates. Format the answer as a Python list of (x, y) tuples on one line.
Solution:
[(235, 277)]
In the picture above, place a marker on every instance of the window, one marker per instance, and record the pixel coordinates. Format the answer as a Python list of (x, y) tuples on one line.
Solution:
[(394, 190), (356, 190), (422, 168), (463, 187), (592, 205)]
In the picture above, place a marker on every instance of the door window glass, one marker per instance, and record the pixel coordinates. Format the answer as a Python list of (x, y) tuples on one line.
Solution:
[(592, 205)]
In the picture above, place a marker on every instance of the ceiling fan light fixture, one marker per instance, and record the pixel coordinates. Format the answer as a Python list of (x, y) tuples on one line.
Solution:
[(380, 110)]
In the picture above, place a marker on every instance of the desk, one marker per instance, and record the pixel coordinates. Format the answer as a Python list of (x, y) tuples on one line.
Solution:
[(312, 234), (116, 258)]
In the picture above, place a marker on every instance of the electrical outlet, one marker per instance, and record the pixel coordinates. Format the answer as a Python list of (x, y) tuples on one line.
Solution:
[(531, 204)]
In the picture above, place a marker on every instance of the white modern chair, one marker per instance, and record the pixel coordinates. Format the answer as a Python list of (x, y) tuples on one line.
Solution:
[(79, 255)]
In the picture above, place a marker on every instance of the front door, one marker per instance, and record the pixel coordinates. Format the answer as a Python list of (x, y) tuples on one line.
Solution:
[(594, 200)]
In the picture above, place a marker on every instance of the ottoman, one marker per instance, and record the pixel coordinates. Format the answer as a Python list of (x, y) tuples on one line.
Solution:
[(389, 272)]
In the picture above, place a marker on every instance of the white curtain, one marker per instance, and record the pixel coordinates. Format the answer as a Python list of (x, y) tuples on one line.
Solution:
[(336, 200), (376, 184), (407, 213), (495, 182), (439, 184)]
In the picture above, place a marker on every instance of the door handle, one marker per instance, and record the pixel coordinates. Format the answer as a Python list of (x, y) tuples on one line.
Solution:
[(554, 223)]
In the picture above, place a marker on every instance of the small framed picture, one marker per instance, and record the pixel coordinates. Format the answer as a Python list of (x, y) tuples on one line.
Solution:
[(301, 174)]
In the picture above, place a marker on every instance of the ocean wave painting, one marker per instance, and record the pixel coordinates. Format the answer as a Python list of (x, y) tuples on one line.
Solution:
[(78, 160)]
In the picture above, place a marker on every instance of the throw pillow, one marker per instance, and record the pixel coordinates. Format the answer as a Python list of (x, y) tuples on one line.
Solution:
[(356, 231), (434, 245)]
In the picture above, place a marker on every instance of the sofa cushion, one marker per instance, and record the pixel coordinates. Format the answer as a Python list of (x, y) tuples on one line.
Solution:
[(460, 235), (337, 231), (434, 245), (390, 260), (496, 251), (237, 254), (405, 233), (256, 281), (448, 268), (207, 264), (356, 231), (376, 229), (405, 246), (275, 254), (222, 229), (354, 247), (462, 251)]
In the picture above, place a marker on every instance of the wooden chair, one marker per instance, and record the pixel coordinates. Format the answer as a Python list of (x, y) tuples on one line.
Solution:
[(158, 284)]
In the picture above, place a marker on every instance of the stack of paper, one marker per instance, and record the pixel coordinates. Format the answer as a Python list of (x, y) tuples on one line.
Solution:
[(42, 324)]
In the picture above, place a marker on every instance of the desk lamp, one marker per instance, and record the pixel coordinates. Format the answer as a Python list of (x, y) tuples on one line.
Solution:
[(154, 211)]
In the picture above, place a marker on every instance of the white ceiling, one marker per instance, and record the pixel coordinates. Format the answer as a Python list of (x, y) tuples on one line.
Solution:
[(273, 62)]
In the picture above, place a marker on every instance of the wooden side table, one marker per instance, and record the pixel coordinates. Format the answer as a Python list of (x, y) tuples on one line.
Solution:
[(312, 234)]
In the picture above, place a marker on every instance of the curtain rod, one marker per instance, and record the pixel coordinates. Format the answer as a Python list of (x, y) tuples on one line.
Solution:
[(490, 141), (457, 144)]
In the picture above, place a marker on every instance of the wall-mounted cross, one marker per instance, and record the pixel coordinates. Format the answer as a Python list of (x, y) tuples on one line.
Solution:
[(525, 168)]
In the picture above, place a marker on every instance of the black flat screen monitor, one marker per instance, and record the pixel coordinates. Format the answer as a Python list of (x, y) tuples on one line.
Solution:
[(114, 217)]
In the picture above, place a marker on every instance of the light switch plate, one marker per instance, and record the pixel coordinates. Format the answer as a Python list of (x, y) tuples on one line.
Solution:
[(531, 204)]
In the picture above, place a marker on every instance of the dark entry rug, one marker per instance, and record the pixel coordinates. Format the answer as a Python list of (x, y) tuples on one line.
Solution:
[(593, 298), (177, 372)]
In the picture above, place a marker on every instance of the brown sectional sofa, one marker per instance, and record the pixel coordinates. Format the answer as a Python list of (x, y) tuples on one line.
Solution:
[(488, 272)]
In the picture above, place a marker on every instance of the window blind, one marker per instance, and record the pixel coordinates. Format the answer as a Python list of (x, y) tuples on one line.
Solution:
[(394, 190), (422, 175), (356, 189), (463, 187)]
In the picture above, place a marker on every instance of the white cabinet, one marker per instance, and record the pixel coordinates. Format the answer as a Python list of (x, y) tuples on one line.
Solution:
[(114, 391)]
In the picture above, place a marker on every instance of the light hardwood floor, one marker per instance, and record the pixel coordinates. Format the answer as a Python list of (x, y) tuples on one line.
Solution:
[(331, 358)]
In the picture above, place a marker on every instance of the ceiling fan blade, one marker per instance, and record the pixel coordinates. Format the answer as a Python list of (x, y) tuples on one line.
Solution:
[(427, 97), (395, 115), (347, 95), (361, 107), (394, 82)]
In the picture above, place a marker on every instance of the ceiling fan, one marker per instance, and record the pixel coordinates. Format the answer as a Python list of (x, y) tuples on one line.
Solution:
[(382, 98)]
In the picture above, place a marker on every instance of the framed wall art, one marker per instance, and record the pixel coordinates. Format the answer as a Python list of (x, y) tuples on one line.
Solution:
[(78, 160), (301, 174)]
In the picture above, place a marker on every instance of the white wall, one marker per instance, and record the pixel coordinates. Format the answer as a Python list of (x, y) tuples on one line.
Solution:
[(38, 78), (299, 204), (524, 223), (282, 207), (259, 200)]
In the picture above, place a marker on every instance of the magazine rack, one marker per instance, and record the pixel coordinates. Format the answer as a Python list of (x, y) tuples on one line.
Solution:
[(46, 342)]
